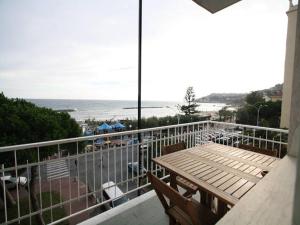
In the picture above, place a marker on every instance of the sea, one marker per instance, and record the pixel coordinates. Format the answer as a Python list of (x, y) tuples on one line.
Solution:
[(117, 109)]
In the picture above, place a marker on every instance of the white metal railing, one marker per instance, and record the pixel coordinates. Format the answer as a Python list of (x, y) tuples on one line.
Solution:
[(70, 173)]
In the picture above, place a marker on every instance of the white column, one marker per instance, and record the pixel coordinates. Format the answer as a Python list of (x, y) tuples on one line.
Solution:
[(289, 66)]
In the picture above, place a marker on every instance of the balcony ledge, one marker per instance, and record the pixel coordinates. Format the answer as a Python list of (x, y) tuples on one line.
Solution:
[(270, 201)]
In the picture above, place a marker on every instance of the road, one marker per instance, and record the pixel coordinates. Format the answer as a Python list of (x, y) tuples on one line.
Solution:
[(93, 171)]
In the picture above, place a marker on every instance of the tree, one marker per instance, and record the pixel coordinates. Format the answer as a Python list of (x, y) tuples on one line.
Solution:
[(190, 107), (225, 115), (254, 97), (23, 122), (269, 114)]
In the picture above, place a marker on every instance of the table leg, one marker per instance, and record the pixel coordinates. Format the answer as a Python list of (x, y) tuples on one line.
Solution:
[(203, 197), (206, 199), (173, 183), (222, 209)]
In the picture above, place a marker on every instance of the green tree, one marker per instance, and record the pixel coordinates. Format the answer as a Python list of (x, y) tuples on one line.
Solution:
[(22, 122), (254, 97), (225, 115), (269, 112), (191, 105)]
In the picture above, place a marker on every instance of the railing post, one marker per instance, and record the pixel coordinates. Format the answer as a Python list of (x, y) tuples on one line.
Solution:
[(4, 194)]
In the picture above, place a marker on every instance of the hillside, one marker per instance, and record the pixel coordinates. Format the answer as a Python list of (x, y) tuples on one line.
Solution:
[(237, 98), (228, 98)]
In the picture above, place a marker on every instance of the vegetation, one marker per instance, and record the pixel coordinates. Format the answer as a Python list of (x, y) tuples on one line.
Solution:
[(190, 107), (23, 122), (226, 115), (57, 213), (254, 97), (269, 112)]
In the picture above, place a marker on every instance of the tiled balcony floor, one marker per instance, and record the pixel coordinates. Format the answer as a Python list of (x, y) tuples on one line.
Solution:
[(143, 210)]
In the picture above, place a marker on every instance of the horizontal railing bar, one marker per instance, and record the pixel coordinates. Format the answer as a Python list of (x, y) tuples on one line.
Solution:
[(251, 127)]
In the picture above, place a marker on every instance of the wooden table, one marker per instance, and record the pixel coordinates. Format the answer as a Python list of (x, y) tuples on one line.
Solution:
[(223, 171)]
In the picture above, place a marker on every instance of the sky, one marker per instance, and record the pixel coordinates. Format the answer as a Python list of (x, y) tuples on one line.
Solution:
[(88, 49)]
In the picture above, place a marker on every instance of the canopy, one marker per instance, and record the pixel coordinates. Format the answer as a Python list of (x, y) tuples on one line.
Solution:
[(104, 127), (118, 125)]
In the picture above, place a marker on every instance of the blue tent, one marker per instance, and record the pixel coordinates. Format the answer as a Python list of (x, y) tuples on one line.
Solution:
[(104, 127), (118, 125)]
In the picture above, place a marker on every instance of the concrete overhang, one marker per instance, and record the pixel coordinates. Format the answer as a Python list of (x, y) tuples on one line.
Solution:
[(215, 5)]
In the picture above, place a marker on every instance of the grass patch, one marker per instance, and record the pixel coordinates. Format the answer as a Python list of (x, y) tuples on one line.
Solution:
[(57, 213)]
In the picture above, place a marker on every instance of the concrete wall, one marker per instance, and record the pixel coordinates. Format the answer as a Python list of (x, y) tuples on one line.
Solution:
[(289, 67), (294, 131), (294, 126)]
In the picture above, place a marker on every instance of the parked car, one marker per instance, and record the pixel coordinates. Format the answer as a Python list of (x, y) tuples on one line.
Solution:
[(112, 191), (11, 182), (133, 166)]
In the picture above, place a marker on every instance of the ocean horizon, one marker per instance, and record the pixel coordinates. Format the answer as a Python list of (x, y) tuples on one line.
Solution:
[(117, 109)]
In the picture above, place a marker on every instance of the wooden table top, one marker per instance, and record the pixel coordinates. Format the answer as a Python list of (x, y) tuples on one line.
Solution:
[(223, 171)]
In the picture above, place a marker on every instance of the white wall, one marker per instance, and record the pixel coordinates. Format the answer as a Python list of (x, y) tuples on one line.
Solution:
[(289, 67)]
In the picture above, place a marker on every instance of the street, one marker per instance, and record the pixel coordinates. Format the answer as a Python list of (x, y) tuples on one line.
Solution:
[(93, 171)]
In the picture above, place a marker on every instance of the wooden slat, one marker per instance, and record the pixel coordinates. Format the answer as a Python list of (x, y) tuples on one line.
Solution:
[(208, 176), (269, 161), (243, 190), (209, 171), (223, 180), (244, 167), (195, 168), (248, 155), (207, 167), (233, 164), (256, 171), (185, 161), (181, 160), (227, 168), (229, 183), (252, 161), (250, 168), (192, 166), (187, 164), (238, 165), (236, 186), (217, 177)]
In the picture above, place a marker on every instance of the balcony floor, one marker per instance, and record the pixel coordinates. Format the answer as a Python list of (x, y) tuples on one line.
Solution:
[(143, 210)]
